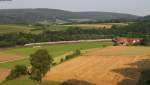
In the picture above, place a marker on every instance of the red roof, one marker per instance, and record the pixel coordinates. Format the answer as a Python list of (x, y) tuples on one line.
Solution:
[(128, 40)]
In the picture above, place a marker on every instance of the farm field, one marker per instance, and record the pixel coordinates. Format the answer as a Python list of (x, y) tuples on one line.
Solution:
[(58, 51), (119, 65), (4, 29), (14, 28), (101, 25), (55, 50)]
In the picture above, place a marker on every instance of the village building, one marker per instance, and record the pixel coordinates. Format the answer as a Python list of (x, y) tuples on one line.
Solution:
[(128, 41)]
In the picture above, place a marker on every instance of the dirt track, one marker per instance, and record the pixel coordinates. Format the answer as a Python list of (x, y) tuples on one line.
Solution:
[(101, 68)]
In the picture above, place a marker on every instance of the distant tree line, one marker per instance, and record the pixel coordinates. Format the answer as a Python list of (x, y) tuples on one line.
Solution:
[(140, 30)]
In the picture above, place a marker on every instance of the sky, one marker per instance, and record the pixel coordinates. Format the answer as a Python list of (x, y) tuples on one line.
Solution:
[(136, 7)]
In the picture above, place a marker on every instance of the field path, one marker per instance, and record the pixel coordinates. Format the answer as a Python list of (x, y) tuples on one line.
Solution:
[(101, 68)]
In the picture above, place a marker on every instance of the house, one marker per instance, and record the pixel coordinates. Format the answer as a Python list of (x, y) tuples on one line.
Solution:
[(128, 41)]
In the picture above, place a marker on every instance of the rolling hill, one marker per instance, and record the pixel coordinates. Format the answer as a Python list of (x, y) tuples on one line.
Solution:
[(146, 18), (36, 15)]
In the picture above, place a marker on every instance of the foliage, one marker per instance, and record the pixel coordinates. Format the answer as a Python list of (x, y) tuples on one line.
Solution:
[(41, 62), (17, 72), (74, 54)]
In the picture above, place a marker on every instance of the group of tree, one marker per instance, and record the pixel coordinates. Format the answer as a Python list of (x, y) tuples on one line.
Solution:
[(18, 71), (41, 62), (140, 30)]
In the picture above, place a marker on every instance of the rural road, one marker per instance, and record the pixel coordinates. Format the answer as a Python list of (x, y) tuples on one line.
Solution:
[(101, 68)]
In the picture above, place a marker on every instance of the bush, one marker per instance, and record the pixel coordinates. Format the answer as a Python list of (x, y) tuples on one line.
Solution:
[(62, 60), (17, 71), (74, 54), (77, 52), (53, 64)]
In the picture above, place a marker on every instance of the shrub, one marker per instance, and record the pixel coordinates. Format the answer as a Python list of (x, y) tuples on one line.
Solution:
[(17, 71), (62, 60), (77, 52), (53, 64), (74, 54)]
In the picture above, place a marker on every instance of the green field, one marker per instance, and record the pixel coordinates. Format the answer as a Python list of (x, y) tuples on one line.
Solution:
[(4, 29), (55, 50), (14, 28)]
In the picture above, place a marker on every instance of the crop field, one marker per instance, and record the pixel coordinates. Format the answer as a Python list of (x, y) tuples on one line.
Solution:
[(13, 28), (119, 65), (32, 29), (101, 25)]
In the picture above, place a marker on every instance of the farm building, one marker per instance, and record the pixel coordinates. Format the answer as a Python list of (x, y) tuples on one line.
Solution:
[(128, 41)]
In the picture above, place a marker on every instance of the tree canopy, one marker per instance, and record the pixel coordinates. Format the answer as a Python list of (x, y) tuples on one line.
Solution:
[(41, 63)]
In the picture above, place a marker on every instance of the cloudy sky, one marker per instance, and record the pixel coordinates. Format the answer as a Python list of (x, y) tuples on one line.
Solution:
[(137, 7)]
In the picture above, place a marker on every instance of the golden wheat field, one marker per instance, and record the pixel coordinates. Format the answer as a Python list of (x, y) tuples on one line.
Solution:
[(119, 65)]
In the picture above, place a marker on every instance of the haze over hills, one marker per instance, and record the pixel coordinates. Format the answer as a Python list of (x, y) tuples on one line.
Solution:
[(36, 15)]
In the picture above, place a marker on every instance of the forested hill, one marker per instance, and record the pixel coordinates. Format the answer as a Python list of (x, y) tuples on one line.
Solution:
[(35, 15), (146, 18)]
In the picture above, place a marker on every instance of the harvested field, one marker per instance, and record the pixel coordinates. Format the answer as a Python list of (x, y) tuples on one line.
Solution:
[(109, 66), (4, 73), (6, 57)]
